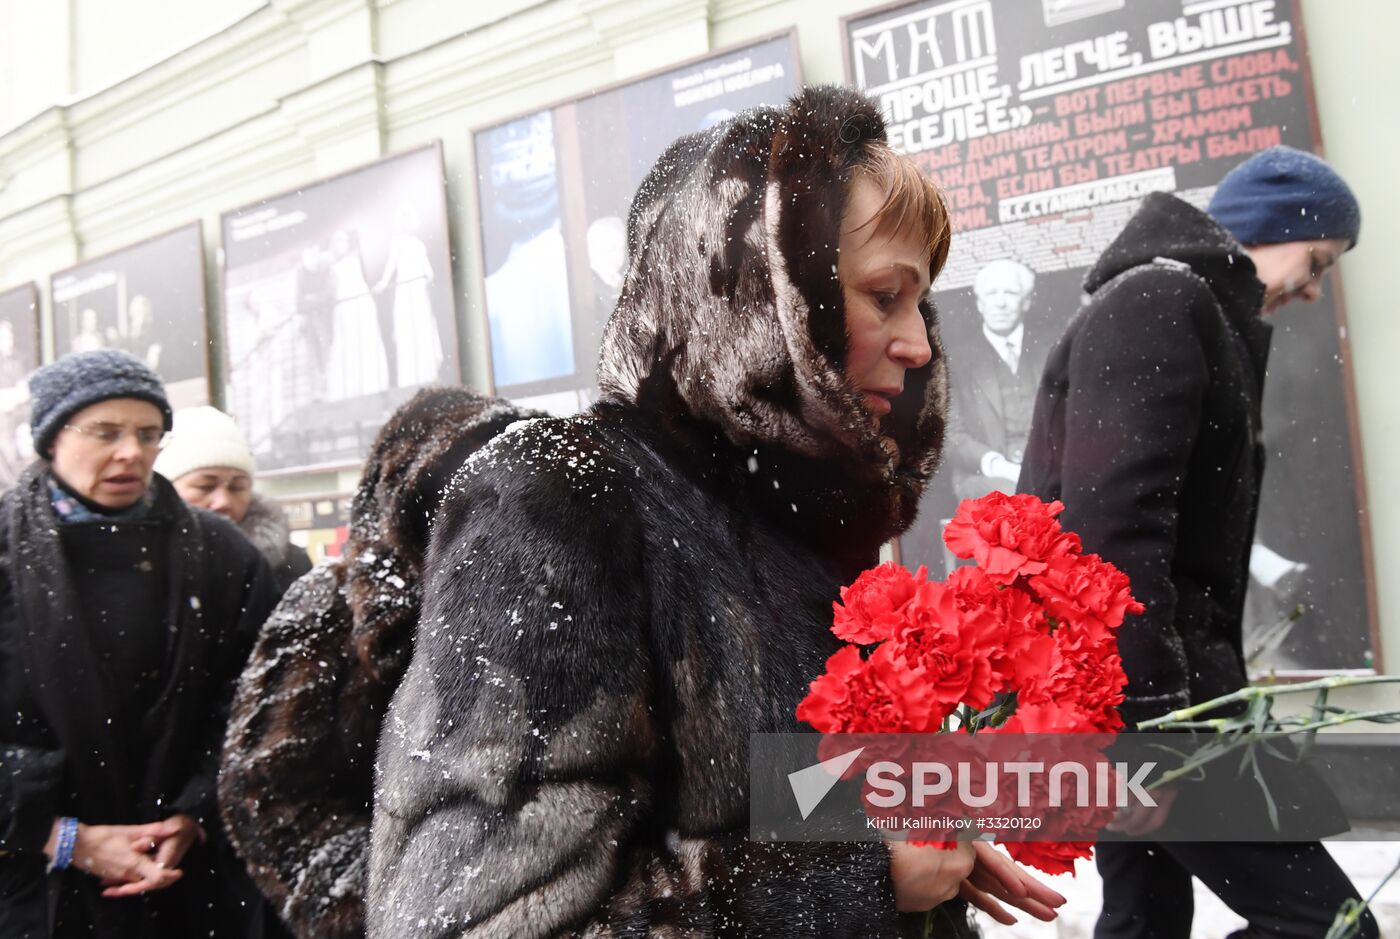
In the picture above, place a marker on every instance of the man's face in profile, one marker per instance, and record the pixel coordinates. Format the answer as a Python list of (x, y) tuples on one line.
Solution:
[(1003, 295)]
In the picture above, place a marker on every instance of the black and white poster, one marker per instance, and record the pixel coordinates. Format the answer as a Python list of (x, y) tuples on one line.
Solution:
[(338, 305), (555, 189), (146, 299), (19, 355), (1045, 122)]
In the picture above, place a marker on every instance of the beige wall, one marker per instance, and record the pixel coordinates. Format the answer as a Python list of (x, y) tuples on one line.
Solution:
[(294, 90), (1353, 59)]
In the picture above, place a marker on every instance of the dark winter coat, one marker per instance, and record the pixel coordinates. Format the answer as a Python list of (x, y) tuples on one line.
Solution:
[(266, 526), (1147, 427), (125, 731), (297, 780), (613, 603)]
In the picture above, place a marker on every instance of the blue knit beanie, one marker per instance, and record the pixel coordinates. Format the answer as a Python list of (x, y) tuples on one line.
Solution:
[(1282, 194), (60, 389)]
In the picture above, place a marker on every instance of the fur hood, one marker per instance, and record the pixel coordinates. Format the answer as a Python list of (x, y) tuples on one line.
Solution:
[(410, 462), (731, 322), (1166, 229)]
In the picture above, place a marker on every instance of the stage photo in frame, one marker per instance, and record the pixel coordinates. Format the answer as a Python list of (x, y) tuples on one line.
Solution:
[(1046, 121), (147, 299), (338, 306)]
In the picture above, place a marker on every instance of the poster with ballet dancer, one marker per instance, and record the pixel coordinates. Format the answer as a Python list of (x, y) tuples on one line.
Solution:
[(338, 306), (146, 299)]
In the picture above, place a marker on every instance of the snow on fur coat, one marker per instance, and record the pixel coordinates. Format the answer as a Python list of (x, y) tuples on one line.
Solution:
[(296, 781), (614, 602)]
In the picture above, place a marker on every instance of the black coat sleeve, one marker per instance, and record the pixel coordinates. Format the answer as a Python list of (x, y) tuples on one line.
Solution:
[(1137, 382), (29, 781), (517, 793), (30, 776)]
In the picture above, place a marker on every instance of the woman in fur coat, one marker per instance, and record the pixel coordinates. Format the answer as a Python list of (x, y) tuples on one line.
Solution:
[(208, 460), (614, 602), (296, 782)]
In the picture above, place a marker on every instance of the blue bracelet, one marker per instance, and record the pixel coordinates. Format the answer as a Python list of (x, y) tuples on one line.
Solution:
[(67, 841)]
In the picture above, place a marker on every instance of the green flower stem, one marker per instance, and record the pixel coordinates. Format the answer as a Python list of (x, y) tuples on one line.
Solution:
[(1255, 692), (1348, 920), (1285, 727)]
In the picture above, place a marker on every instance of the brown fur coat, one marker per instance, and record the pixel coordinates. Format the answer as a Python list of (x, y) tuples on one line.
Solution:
[(297, 774), (615, 602)]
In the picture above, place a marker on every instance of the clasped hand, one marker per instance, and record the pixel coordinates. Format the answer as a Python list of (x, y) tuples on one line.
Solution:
[(133, 859)]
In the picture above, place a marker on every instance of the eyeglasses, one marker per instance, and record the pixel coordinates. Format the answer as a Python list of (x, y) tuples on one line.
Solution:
[(109, 435)]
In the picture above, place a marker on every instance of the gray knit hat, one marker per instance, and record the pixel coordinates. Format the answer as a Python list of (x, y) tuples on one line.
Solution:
[(62, 388)]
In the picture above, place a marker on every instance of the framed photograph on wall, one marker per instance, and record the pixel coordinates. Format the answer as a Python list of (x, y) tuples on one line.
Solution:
[(555, 187), (19, 355), (1046, 122), (338, 306), (147, 299)]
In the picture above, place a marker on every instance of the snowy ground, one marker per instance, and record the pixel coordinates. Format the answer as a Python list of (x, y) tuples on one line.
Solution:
[(1366, 862)]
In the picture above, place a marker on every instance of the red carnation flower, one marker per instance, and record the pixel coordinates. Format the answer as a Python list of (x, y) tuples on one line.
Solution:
[(1019, 616), (1086, 590), (1009, 536), (1052, 857), (952, 648), (869, 610), (874, 695), (1034, 618), (1072, 682)]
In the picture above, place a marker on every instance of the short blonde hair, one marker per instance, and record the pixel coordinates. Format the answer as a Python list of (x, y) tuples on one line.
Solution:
[(913, 201)]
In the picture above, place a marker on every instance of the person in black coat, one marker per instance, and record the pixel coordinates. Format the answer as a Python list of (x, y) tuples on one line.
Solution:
[(125, 617), (613, 603), (1147, 426)]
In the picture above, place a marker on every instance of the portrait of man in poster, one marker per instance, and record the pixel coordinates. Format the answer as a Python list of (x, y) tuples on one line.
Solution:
[(993, 382)]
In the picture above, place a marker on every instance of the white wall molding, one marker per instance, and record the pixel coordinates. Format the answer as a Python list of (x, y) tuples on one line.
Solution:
[(37, 158), (194, 181), (497, 65), (220, 60), (341, 118), (43, 230)]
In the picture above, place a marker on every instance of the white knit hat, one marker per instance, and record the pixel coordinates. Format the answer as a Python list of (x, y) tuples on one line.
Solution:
[(203, 437)]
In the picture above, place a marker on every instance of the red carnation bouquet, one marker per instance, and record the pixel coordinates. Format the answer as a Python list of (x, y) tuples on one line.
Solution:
[(1022, 642)]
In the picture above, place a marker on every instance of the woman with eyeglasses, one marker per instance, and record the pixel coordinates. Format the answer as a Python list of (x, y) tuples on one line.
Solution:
[(125, 618)]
